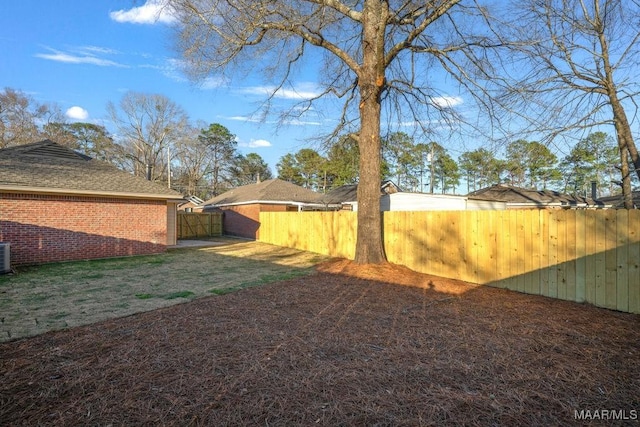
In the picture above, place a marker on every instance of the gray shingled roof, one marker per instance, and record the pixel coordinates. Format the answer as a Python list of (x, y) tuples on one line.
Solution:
[(349, 192), (272, 190), (618, 202), (511, 194), (46, 166), (342, 194)]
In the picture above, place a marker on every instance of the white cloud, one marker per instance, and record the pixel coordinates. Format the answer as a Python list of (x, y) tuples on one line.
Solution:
[(212, 83), (301, 92), (243, 119), (170, 69), (77, 113), (446, 101), (97, 49), (173, 69), (82, 55), (299, 122), (255, 143), (152, 12)]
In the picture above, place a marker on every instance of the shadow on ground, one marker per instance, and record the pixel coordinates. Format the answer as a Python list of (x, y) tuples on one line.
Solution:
[(332, 349)]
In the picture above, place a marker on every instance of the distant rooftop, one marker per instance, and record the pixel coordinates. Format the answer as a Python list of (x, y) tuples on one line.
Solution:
[(349, 192), (516, 195), (272, 190)]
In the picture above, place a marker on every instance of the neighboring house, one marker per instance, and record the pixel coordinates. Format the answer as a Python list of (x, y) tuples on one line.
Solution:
[(346, 196), (242, 205), (522, 198), (616, 201), (392, 199), (191, 204), (59, 205), (434, 202)]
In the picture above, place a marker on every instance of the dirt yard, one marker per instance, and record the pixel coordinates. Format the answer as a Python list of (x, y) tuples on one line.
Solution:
[(348, 345)]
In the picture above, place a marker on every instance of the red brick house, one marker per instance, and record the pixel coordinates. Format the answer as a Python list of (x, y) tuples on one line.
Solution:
[(242, 205), (59, 205)]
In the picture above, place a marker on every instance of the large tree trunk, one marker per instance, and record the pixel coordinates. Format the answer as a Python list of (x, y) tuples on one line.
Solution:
[(621, 124), (626, 145), (371, 82)]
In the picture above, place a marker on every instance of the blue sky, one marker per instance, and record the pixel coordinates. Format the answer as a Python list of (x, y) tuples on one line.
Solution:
[(82, 54)]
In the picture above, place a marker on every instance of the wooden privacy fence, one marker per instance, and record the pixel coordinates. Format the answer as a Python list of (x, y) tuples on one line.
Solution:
[(579, 255), (191, 224)]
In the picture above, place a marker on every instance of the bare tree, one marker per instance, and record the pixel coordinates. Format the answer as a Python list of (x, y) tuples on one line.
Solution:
[(21, 117), (575, 70), (374, 51), (146, 126), (192, 159)]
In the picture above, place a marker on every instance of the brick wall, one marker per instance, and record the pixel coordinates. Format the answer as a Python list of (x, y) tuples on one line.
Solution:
[(49, 228), (244, 220)]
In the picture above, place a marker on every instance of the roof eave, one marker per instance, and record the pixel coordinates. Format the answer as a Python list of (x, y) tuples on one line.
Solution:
[(267, 202), (70, 192)]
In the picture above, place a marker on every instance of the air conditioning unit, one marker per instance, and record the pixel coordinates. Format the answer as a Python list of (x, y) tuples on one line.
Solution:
[(5, 258)]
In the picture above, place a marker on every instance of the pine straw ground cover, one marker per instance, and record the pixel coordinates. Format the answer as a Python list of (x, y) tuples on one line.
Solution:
[(344, 346)]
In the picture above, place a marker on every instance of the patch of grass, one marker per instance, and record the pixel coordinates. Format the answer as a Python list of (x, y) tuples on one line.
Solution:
[(58, 316), (179, 294), (96, 267), (88, 290), (36, 298)]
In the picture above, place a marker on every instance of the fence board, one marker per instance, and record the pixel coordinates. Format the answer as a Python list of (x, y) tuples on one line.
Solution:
[(622, 267), (524, 261), (543, 247), (610, 259), (439, 232), (490, 249), (634, 261), (580, 256), (527, 249), (472, 246), (512, 249), (420, 225), (532, 253), (600, 231), (590, 250), (500, 276), (553, 255), (391, 221), (591, 256), (570, 274), (561, 257)]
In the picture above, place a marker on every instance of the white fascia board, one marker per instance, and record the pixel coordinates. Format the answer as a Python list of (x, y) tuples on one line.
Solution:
[(61, 191)]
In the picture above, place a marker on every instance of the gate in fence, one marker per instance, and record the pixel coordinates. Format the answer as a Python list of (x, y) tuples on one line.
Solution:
[(197, 224)]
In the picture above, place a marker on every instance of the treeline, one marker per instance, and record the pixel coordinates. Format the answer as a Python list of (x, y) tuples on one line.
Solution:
[(153, 135), (430, 168), (202, 159)]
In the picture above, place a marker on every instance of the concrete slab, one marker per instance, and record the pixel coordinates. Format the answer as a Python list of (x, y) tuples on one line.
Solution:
[(196, 244)]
